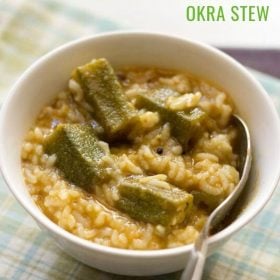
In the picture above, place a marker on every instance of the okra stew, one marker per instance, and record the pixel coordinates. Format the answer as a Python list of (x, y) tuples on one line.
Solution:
[(134, 158)]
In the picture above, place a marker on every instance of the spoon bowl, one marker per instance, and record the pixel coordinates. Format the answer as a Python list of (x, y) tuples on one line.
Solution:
[(196, 262)]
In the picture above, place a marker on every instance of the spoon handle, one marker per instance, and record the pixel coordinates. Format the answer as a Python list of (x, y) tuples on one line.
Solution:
[(194, 268)]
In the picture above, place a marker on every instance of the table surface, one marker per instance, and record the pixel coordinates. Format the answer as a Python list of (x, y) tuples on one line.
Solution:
[(29, 29), (264, 60)]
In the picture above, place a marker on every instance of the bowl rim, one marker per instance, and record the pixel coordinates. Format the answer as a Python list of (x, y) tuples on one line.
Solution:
[(51, 226)]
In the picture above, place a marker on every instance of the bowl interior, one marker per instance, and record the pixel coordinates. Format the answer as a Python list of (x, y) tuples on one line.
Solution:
[(39, 85)]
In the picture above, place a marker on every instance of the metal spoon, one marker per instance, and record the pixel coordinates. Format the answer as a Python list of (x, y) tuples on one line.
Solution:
[(195, 265)]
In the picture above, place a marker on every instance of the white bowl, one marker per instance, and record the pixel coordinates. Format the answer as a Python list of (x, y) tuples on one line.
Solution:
[(49, 75)]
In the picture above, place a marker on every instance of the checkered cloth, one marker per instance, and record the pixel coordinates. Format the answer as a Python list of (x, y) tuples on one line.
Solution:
[(29, 29)]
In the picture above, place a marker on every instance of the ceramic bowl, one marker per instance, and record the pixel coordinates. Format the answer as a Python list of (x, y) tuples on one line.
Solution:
[(49, 75)]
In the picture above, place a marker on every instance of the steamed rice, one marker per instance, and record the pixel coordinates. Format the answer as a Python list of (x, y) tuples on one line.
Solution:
[(210, 165)]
